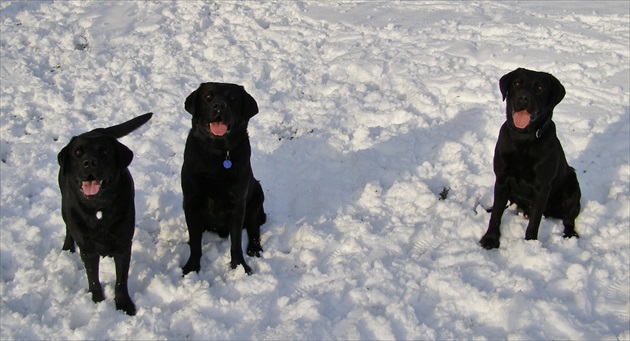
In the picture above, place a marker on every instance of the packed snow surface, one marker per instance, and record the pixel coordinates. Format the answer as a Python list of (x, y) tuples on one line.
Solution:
[(373, 145)]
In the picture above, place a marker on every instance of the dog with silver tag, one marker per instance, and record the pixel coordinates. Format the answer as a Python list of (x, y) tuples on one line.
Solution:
[(97, 204)]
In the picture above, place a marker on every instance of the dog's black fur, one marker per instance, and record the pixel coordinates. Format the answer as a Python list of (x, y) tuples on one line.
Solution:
[(216, 198), (97, 204), (529, 162)]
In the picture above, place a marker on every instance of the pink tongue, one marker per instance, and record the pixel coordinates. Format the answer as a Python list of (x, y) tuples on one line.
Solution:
[(521, 119), (218, 128), (90, 187)]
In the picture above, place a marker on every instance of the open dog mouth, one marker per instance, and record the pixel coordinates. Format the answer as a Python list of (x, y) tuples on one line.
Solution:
[(91, 186), (521, 118), (219, 128)]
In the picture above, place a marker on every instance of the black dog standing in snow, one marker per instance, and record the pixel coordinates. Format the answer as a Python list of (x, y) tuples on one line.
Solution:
[(220, 192), (97, 204), (529, 162)]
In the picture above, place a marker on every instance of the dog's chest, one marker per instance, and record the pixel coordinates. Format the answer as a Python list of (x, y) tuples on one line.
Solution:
[(520, 174), (97, 228), (98, 223)]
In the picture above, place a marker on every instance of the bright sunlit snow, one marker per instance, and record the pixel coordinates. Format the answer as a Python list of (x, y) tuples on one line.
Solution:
[(373, 144)]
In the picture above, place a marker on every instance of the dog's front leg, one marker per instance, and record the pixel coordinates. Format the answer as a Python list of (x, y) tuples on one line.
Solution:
[(194, 242), (236, 233), (540, 202), (194, 221), (91, 263), (123, 301), (491, 239)]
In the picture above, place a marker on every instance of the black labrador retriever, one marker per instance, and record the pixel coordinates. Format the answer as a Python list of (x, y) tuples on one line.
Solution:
[(97, 204), (220, 192), (529, 162)]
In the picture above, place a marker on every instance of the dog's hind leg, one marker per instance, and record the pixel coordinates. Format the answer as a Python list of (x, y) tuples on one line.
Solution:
[(571, 204), (254, 248), (68, 243), (569, 228), (254, 218)]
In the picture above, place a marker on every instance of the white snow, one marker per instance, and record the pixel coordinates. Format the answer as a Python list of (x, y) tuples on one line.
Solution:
[(368, 111)]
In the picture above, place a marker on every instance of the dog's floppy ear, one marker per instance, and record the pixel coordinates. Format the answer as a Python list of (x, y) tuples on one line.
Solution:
[(124, 155), (250, 107), (62, 157), (189, 105), (557, 91), (504, 83)]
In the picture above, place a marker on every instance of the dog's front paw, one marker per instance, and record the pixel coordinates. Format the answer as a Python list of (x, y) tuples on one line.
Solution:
[(125, 304), (490, 242), (191, 266), (97, 296), (234, 264)]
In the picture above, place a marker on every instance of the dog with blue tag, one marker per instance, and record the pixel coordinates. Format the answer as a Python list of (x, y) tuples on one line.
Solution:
[(220, 192)]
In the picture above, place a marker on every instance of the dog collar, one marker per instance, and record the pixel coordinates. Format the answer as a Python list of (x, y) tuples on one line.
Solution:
[(536, 134), (542, 129), (227, 164)]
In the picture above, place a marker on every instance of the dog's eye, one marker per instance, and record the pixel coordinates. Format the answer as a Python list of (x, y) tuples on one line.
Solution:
[(517, 83), (539, 88), (103, 151), (209, 97), (78, 152)]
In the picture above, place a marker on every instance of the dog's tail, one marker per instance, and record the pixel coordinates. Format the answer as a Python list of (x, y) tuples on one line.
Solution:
[(123, 129)]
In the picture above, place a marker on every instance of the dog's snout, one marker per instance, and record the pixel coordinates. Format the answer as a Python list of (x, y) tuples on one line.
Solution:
[(219, 106), (91, 162), (522, 101)]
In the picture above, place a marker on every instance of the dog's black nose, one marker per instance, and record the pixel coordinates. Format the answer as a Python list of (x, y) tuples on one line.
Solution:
[(522, 102), (219, 106), (90, 163)]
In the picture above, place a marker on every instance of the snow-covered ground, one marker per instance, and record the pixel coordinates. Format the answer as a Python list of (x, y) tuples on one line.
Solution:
[(369, 112)]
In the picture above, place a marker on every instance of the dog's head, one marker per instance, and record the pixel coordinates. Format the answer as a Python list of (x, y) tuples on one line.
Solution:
[(531, 97), (93, 161), (220, 108)]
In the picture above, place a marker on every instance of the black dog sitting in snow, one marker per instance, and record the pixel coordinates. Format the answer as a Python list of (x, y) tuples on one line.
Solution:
[(97, 204), (529, 162), (220, 191)]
